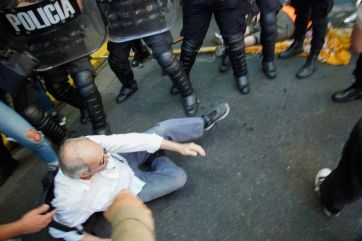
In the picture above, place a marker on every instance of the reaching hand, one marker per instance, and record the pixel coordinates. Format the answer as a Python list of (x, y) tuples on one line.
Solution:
[(124, 199), (36, 219), (191, 149)]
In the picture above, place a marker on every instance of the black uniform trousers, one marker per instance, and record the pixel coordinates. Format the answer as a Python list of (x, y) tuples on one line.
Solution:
[(84, 95), (229, 16), (119, 52), (161, 45), (197, 17), (358, 72), (317, 11), (344, 184)]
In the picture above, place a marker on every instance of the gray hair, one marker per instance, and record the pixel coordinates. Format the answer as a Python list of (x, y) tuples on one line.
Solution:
[(72, 165)]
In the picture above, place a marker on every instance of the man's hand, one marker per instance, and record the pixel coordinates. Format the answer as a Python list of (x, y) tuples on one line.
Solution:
[(191, 149), (186, 149), (124, 200), (36, 219)]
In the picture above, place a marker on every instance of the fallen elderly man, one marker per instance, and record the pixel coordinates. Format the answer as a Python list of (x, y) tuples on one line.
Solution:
[(94, 169)]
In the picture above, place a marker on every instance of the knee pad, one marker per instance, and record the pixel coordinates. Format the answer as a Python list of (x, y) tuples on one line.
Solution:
[(234, 42), (34, 115), (268, 26), (85, 83)]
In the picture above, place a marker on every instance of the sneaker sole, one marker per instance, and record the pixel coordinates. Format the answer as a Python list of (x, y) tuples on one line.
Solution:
[(221, 118)]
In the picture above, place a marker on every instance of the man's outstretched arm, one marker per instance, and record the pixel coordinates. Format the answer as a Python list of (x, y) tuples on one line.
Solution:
[(186, 149)]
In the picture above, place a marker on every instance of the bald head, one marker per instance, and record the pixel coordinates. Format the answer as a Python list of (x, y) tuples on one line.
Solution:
[(77, 155)]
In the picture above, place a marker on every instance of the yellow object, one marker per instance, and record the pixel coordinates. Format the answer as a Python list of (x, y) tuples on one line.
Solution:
[(335, 50)]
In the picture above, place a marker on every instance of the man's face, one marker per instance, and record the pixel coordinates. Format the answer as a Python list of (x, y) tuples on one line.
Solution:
[(98, 162)]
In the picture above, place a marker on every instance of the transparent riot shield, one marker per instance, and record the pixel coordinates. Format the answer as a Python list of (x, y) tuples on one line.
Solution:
[(133, 19), (54, 31)]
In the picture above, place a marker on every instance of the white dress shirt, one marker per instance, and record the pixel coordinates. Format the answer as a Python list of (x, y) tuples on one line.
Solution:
[(77, 199)]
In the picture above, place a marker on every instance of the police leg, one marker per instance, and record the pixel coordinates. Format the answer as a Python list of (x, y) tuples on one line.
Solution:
[(268, 39), (161, 48), (119, 64), (301, 22), (235, 44), (27, 105), (83, 75), (56, 82), (319, 16)]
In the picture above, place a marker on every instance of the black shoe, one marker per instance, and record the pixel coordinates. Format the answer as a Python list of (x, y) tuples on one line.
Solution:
[(6, 170), (174, 90), (308, 68), (351, 93), (294, 49), (190, 104), (243, 84), (219, 113), (84, 116), (269, 69), (60, 119), (126, 92), (103, 131)]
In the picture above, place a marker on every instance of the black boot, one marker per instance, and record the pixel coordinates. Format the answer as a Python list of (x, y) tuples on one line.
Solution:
[(190, 104), (45, 123), (268, 39), (269, 69), (243, 84), (175, 71), (90, 95), (354, 92), (294, 49), (309, 67), (126, 92)]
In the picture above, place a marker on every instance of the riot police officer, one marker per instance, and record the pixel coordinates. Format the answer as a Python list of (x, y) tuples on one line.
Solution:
[(318, 12), (151, 21), (230, 17), (60, 34)]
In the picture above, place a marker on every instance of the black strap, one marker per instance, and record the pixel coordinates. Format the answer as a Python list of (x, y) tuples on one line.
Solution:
[(64, 228)]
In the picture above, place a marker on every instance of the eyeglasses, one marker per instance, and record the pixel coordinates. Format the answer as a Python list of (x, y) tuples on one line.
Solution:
[(101, 162)]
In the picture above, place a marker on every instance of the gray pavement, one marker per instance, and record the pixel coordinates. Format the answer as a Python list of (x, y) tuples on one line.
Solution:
[(256, 181)]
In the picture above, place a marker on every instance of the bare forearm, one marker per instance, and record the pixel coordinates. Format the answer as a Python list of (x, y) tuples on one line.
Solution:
[(170, 146), (186, 149), (90, 237), (10, 230)]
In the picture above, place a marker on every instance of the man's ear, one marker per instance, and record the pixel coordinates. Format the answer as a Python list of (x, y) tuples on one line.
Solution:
[(85, 176)]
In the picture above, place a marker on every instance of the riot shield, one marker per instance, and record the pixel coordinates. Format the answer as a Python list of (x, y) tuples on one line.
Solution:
[(134, 19), (54, 31)]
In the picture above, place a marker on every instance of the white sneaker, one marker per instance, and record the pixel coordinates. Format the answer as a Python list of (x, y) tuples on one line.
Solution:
[(218, 38), (319, 178)]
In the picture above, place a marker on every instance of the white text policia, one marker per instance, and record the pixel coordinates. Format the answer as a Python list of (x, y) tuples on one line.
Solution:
[(41, 17)]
